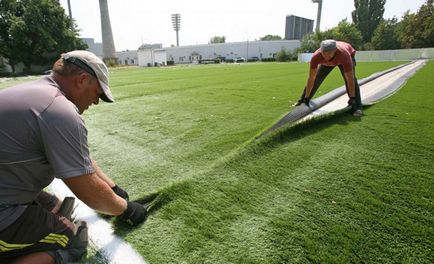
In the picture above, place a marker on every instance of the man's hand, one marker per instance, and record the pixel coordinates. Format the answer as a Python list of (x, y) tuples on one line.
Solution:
[(135, 214), (122, 193)]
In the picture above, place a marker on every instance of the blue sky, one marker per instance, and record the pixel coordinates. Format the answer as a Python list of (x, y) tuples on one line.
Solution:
[(139, 21)]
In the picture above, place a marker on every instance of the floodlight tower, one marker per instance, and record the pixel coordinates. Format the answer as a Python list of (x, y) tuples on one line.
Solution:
[(176, 21), (318, 14)]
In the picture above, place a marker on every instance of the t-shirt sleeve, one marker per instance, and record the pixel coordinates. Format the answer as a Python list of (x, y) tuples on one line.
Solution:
[(347, 62), (314, 61), (64, 139)]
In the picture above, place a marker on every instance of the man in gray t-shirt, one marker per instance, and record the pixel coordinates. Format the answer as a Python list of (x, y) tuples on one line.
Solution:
[(42, 137)]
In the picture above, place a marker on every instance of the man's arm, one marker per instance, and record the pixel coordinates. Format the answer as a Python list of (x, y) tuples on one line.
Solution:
[(349, 77), (96, 193), (310, 82), (118, 190), (102, 175)]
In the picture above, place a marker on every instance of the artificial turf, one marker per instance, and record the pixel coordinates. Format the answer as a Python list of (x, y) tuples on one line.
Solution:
[(334, 190)]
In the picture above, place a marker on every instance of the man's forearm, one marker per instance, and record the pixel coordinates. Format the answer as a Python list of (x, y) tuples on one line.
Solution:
[(97, 194), (102, 175), (351, 85)]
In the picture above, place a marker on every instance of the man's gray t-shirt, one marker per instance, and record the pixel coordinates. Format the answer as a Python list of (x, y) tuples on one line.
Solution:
[(42, 136)]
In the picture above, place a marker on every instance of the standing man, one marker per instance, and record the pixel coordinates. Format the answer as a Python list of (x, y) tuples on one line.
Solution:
[(331, 54), (42, 137)]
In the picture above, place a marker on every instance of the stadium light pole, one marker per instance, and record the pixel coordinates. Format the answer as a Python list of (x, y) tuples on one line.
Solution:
[(318, 15), (176, 21)]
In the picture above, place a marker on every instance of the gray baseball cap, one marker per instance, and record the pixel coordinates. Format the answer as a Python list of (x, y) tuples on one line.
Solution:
[(328, 45), (93, 65)]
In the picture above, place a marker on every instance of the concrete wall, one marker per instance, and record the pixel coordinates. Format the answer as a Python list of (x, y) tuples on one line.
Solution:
[(127, 57), (152, 57), (384, 55)]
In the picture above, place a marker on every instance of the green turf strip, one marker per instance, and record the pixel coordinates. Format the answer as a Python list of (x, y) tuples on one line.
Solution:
[(337, 190)]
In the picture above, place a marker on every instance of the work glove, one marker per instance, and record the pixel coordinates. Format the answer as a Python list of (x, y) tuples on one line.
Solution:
[(135, 214), (122, 193)]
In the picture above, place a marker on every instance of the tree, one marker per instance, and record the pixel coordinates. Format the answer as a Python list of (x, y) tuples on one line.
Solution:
[(217, 39), (385, 36), (11, 27), (35, 32), (344, 31), (417, 30), (270, 37), (347, 32), (311, 42), (367, 15)]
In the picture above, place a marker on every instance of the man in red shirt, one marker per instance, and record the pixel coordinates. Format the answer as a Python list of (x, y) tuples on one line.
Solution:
[(334, 53)]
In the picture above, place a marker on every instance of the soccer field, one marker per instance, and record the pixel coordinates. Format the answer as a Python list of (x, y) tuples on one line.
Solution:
[(336, 190)]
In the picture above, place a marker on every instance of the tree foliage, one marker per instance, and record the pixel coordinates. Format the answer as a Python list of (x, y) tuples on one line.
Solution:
[(35, 32), (217, 39), (286, 55), (385, 36), (417, 30), (367, 15), (270, 37), (344, 31)]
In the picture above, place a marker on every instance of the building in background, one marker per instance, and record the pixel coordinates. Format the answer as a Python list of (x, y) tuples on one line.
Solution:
[(296, 27), (94, 47), (154, 55), (230, 51), (128, 57)]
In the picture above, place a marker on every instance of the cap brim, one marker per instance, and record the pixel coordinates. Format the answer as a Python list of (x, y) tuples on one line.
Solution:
[(106, 96)]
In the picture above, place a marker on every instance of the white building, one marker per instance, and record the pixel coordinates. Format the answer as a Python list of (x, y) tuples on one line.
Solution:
[(128, 57), (245, 49), (154, 55)]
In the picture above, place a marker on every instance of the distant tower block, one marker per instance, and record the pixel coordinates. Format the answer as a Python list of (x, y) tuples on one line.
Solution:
[(108, 45)]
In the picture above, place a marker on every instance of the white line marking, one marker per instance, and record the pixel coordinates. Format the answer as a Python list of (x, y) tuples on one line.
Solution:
[(101, 234)]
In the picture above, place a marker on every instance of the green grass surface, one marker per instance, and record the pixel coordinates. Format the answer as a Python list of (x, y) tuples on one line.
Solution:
[(334, 190)]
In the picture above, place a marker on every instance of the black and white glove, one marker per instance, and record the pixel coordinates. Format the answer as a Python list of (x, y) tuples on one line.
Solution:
[(135, 214), (122, 193)]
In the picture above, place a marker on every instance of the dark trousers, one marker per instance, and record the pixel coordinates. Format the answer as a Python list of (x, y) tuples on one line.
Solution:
[(322, 73)]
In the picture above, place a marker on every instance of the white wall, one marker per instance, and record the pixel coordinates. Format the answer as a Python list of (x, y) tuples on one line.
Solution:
[(384, 55), (150, 57), (247, 49), (127, 57)]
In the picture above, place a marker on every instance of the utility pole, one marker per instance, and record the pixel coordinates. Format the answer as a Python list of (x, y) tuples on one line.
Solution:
[(70, 16), (318, 14), (176, 21)]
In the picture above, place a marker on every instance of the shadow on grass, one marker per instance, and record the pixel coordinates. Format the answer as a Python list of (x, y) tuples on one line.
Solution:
[(298, 131)]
